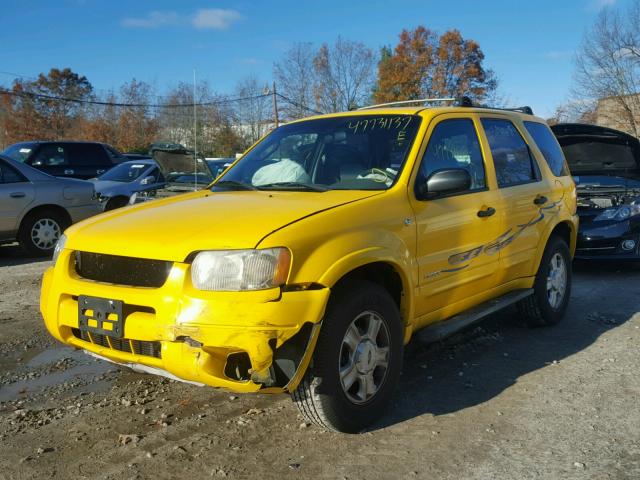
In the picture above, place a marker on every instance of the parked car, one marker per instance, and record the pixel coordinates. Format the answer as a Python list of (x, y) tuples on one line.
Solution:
[(116, 186), (182, 171), (219, 165), (605, 164), (66, 159), (35, 208), (310, 263)]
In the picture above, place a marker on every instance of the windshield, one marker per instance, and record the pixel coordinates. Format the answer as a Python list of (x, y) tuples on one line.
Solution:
[(358, 152), (20, 151), (125, 172)]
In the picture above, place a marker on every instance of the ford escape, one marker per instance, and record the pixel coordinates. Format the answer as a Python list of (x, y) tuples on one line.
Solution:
[(308, 265)]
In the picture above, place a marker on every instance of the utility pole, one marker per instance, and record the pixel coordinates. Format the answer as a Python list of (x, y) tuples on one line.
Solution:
[(275, 104)]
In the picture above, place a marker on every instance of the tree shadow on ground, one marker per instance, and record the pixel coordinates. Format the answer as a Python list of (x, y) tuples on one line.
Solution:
[(494, 353)]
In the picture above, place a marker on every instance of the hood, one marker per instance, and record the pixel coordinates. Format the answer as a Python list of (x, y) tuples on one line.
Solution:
[(595, 150), (172, 228), (180, 163)]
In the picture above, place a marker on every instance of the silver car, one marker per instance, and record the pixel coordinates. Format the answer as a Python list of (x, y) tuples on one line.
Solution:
[(35, 208)]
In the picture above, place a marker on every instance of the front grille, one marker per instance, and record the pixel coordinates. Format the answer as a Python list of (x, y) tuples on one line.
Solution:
[(134, 272), (139, 347)]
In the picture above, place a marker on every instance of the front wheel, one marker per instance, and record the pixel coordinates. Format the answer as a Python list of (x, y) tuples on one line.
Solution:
[(356, 363), (552, 286)]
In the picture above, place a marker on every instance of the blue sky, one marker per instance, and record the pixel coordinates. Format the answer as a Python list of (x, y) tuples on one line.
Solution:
[(530, 45)]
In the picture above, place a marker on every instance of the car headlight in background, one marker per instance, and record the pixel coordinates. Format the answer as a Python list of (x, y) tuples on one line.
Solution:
[(238, 270), (619, 213), (59, 247)]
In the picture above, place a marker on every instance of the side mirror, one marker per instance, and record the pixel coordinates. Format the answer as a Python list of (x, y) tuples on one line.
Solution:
[(148, 180), (444, 182)]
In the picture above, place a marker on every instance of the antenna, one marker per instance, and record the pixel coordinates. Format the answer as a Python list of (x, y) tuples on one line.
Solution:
[(195, 134)]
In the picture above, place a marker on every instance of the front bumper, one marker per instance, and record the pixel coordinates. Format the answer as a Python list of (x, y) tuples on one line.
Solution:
[(187, 333), (605, 242)]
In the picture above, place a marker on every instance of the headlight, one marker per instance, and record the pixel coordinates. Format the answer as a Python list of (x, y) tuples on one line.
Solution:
[(620, 213), (237, 270), (59, 247)]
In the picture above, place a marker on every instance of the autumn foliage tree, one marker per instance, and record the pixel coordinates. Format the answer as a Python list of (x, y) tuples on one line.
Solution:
[(427, 65)]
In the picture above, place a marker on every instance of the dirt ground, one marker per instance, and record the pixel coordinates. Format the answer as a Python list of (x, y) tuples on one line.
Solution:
[(496, 402)]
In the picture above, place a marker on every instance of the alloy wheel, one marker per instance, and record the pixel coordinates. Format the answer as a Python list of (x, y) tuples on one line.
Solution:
[(556, 281), (364, 357)]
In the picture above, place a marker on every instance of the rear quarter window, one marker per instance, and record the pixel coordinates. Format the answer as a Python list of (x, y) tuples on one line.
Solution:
[(549, 146)]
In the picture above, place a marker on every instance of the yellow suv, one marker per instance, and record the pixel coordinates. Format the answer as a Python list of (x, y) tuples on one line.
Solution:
[(308, 265)]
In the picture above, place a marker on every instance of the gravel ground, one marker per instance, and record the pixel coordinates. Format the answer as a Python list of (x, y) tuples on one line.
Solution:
[(498, 401)]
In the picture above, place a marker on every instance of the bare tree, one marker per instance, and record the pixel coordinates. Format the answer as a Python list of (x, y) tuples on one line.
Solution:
[(608, 68), (295, 79), (344, 75), (254, 111)]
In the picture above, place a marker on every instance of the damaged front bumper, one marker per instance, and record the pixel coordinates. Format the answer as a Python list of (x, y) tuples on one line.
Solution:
[(240, 341)]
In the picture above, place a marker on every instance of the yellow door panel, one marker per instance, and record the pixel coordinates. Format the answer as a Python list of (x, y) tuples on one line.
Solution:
[(453, 232)]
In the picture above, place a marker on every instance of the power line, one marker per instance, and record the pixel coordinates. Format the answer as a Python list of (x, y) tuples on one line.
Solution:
[(138, 105), (296, 104)]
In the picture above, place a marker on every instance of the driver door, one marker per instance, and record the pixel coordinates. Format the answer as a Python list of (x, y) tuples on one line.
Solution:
[(454, 230)]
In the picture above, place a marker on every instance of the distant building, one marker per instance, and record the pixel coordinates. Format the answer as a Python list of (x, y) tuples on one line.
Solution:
[(620, 113)]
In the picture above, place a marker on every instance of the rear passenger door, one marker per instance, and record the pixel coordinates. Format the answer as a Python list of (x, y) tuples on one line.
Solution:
[(87, 160), (524, 196)]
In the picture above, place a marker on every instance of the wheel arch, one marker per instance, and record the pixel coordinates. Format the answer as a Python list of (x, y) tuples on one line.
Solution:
[(51, 207), (565, 229), (380, 269)]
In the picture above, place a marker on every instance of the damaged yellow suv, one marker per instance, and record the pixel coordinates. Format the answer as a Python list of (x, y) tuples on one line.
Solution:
[(309, 264)]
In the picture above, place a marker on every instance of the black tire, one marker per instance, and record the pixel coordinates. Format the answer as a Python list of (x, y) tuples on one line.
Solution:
[(55, 221), (320, 396), (116, 202), (537, 310)]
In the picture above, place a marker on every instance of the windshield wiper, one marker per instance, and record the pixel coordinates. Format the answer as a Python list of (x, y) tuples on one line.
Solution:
[(292, 186), (234, 185)]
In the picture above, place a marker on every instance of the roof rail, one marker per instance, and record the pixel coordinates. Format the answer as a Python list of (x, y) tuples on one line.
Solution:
[(459, 102), (409, 102)]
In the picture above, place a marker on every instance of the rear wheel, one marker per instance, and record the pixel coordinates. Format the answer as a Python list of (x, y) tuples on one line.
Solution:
[(552, 286), (39, 232), (356, 363)]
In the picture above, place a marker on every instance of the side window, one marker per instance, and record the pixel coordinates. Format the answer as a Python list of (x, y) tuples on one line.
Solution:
[(454, 144), (549, 146), (50, 155), (511, 157), (9, 174), (87, 154)]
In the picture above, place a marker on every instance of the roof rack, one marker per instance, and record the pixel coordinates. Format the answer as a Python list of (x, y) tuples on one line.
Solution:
[(423, 101), (458, 102)]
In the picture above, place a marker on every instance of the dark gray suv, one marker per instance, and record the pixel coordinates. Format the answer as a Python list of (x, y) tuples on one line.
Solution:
[(66, 159)]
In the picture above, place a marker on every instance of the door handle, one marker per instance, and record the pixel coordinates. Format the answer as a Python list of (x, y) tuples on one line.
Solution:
[(540, 200), (17, 194), (487, 212), (68, 171)]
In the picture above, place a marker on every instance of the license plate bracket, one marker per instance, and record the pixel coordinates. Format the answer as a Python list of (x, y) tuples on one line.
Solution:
[(101, 315)]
